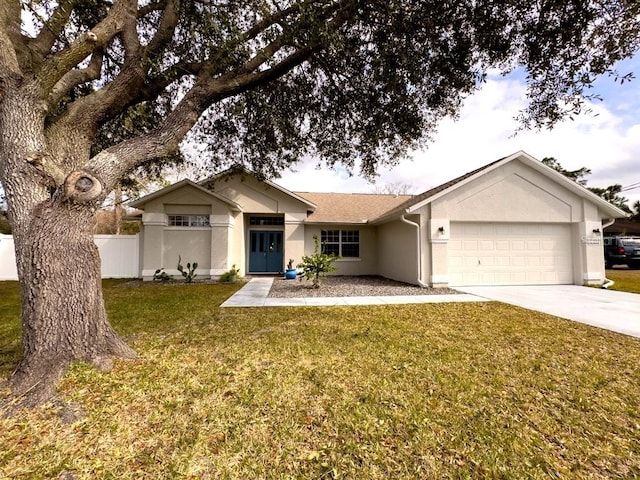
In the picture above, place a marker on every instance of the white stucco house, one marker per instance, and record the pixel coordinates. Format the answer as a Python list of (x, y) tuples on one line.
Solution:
[(514, 221)]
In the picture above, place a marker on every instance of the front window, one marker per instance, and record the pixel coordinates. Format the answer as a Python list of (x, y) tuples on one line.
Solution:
[(342, 243), (188, 220)]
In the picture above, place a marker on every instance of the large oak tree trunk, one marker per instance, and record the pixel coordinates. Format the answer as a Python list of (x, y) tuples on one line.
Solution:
[(63, 314)]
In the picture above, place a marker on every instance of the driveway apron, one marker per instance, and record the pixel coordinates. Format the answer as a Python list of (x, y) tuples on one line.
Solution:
[(616, 311)]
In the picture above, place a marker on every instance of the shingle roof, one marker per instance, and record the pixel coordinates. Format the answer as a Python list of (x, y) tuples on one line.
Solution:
[(350, 207)]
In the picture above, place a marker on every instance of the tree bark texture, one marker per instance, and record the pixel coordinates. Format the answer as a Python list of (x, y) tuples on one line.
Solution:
[(63, 315)]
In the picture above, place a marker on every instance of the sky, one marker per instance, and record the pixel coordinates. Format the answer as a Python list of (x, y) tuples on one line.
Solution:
[(607, 141)]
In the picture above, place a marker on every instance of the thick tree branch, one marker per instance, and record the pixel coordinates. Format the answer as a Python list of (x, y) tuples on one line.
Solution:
[(127, 85), (156, 85), (248, 76), (9, 34), (76, 77), (132, 84), (165, 30), (130, 40), (229, 85), (52, 29), (112, 163), (58, 65), (150, 8)]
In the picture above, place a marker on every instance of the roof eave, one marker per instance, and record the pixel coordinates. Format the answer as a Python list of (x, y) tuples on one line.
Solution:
[(337, 222), (389, 217), (607, 208)]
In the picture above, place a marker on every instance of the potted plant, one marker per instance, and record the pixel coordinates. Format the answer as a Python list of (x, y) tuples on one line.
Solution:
[(230, 276), (291, 272)]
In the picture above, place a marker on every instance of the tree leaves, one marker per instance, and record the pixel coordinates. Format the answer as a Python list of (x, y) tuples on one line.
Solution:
[(349, 82)]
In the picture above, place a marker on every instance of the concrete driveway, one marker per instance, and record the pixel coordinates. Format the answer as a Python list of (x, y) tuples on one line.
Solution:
[(616, 311)]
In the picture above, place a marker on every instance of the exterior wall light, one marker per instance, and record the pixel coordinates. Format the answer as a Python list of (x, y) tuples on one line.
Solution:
[(596, 230), (441, 229)]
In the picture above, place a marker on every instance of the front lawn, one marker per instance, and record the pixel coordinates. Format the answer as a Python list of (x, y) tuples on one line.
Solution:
[(418, 391), (626, 280)]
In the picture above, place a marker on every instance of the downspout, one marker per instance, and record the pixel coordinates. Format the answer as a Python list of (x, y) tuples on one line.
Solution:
[(607, 282), (418, 249)]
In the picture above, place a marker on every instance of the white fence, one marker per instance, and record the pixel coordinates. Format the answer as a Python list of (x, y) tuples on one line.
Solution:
[(120, 255)]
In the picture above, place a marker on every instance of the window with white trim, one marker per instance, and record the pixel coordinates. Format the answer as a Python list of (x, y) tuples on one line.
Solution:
[(343, 243), (188, 220)]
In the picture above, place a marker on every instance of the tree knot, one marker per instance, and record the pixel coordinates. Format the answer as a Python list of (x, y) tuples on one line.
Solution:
[(81, 186)]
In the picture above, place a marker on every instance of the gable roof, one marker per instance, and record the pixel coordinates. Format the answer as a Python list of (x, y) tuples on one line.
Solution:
[(360, 208), (141, 202), (350, 207), (418, 201), (240, 169)]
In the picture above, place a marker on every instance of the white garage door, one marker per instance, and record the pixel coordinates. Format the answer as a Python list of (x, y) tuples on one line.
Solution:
[(510, 254)]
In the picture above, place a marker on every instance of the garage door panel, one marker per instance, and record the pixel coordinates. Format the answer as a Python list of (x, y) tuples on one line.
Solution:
[(486, 246), (518, 261), (502, 245), (510, 254), (502, 261), (469, 261), (533, 245), (549, 261), (487, 261), (534, 261), (470, 245)]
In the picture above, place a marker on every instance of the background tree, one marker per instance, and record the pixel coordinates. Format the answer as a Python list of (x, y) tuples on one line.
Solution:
[(578, 176), (636, 211), (612, 195), (394, 188), (260, 82)]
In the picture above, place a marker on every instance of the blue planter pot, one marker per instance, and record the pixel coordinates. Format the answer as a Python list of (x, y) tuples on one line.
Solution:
[(291, 274)]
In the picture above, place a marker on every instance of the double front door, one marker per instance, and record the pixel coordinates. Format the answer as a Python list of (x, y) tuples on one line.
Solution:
[(265, 251)]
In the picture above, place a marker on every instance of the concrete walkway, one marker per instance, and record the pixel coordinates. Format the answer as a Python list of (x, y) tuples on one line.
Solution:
[(616, 311), (255, 292)]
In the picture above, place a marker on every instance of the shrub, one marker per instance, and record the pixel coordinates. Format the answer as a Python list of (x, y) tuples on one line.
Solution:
[(317, 265), (230, 276), (161, 276)]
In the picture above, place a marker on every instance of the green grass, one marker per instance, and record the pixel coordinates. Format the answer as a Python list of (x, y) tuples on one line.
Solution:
[(417, 391), (625, 280)]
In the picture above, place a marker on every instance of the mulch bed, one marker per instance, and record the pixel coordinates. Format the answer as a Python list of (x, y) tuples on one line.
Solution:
[(350, 286)]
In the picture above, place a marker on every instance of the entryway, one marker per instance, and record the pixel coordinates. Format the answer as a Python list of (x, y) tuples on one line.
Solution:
[(265, 251)]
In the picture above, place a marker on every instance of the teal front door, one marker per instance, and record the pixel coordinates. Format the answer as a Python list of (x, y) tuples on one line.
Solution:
[(265, 251)]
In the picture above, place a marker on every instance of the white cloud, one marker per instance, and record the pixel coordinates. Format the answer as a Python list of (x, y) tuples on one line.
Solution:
[(607, 144)]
